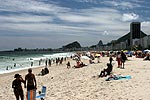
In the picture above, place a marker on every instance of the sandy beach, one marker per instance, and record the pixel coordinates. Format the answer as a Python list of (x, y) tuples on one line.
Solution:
[(83, 84)]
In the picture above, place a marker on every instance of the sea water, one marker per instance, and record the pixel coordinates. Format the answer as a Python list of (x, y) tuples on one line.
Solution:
[(14, 61)]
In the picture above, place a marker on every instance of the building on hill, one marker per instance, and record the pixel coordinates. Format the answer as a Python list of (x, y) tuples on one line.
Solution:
[(135, 39), (145, 42)]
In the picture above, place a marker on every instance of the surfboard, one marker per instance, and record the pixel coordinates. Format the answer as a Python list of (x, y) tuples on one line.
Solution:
[(31, 94)]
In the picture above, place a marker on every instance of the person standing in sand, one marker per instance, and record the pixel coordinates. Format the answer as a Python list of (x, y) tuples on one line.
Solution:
[(110, 59), (16, 85), (68, 65), (123, 58), (30, 80), (49, 62), (118, 59)]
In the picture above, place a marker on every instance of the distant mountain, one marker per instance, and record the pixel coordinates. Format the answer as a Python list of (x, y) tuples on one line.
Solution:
[(72, 45), (100, 43)]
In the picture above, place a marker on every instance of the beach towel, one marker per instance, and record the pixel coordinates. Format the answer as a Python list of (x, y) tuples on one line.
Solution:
[(42, 93), (118, 77), (31, 94)]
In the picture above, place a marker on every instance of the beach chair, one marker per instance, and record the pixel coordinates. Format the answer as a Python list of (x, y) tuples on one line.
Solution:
[(42, 93)]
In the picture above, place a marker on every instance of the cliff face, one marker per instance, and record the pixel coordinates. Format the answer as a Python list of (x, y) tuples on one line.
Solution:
[(72, 45)]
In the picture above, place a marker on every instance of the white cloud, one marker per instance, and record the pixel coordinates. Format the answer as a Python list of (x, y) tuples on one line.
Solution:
[(130, 17), (30, 6), (121, 4), (88, 1), (145, 23), (124, 4), (145, 27), (70, 23), (25, 18), (94, 20), (105, 33), (74, 18), (92, 16)]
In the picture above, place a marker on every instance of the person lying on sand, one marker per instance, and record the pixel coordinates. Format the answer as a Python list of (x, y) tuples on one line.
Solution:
[(80, 64), (91, 61), (147, 57)]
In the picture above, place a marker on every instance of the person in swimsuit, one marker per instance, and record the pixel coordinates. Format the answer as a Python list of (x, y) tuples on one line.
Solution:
[(30, 80), (16, 85)]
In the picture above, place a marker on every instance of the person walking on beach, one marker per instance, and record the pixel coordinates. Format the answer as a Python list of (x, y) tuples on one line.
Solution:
[(31, 63), (57, 61), (49, 62), (40, 62), (118, 59), (16, 85), (123, 58), (30, 80), (46, 62), (68, 65)]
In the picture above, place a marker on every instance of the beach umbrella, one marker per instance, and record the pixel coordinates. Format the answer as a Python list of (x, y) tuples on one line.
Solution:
[(139, 51), (85, 57), (98, 55), (125, 51), (146, 51)]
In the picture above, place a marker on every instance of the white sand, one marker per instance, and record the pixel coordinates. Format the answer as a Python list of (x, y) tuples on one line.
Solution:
[(79, 84)]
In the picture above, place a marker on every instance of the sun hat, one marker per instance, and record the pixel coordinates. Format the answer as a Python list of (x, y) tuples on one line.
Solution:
[(17, 75)]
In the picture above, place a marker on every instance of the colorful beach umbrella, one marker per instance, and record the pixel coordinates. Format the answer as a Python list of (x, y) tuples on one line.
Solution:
[(98, 55), (146, 50), (125, 51), (85, 57)]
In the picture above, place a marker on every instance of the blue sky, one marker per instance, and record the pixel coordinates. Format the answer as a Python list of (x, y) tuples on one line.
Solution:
[(54, 23)]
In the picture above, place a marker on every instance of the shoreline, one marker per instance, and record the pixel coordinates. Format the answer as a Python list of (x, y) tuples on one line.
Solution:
[(21, 70), (15, 64)]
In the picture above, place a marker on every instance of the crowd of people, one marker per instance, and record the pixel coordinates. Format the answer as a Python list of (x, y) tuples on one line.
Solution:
[(30, 81), (147, 57)]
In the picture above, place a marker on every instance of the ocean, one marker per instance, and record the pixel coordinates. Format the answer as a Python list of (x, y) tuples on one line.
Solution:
[(14, 61)]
